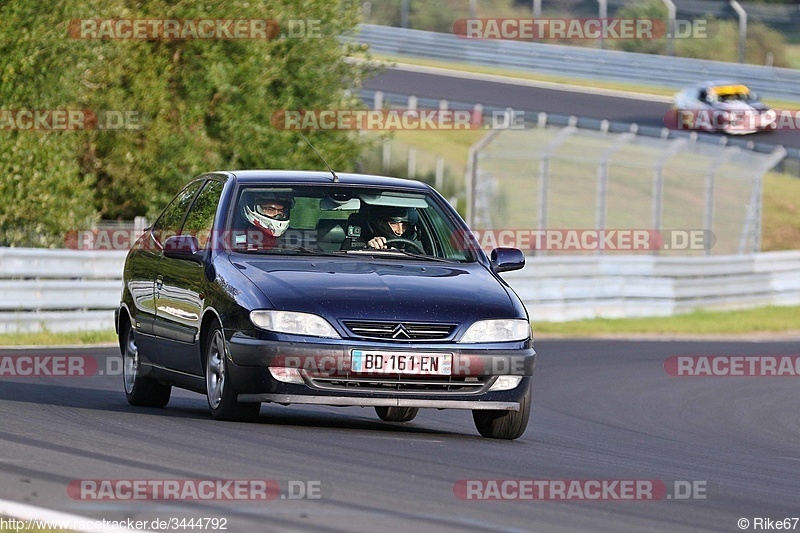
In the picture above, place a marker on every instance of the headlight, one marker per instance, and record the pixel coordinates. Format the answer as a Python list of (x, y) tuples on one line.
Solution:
[(498, 330), (294, 323)]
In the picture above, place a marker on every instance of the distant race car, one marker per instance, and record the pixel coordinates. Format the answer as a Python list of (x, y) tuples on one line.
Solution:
[(721, 106)]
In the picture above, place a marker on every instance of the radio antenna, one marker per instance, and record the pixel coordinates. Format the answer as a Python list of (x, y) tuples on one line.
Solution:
[(335, 177)]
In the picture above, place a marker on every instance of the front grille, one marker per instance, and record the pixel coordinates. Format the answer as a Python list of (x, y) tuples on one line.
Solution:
[(400, 331), (451, 385)]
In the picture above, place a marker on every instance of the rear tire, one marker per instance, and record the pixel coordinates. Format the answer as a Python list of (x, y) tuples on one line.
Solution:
[(397, 414), (219, 389), (507, 425), (140, 390)]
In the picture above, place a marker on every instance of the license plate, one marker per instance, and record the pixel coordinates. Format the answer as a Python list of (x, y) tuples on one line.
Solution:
[(401, 363)]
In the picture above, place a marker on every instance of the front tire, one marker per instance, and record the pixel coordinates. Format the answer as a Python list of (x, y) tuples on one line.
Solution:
[(140, 390), (222, 398), (507, 425), (396, 414)]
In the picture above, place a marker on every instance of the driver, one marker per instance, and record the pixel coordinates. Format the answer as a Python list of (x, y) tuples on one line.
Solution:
[(389, 223)]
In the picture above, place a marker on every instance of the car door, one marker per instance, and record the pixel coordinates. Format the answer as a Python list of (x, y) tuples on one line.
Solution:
[(167, 224), (180, 287), (142, 267)]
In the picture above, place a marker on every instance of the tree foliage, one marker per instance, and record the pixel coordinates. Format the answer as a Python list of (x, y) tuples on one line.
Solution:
[(199, 105)]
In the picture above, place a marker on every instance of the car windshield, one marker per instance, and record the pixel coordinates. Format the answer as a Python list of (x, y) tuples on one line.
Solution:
[(343, 220)]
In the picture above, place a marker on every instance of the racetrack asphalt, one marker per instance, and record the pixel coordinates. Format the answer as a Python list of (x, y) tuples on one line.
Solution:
[(532, 99), (603, 410)]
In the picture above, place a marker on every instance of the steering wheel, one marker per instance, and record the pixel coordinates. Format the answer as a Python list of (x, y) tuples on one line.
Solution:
[(408, 242)]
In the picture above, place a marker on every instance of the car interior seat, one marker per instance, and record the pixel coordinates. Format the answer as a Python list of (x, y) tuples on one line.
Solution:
[(330, 233)]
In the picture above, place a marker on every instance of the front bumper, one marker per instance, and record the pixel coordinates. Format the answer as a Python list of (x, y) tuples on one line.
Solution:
[(327, 379)]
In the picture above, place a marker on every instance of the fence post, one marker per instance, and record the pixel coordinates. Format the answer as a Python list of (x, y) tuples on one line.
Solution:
[(658, 182), (752, 221), (472, 173), (670, 26), (720, 160), (603, 14), (742, 29), (544, 170), (386, 158), (602, 180), (404, 9)]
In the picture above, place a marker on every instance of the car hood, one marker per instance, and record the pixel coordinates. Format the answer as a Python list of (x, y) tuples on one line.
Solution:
[(341, 289)]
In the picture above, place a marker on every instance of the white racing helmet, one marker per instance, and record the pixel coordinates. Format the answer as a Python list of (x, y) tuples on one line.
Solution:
[(268, 220)]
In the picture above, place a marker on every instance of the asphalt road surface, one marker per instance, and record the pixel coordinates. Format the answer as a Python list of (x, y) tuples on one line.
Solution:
[(606, 411), (535, 99)]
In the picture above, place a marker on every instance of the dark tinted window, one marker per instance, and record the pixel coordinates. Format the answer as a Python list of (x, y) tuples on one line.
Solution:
[(169, 223)]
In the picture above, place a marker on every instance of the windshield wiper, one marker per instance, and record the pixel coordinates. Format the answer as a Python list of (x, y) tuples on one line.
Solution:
[(395, 251), (293, 250)]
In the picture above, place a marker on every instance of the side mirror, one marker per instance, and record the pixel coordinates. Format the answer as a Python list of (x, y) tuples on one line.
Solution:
[(183, 247), (507, 259)]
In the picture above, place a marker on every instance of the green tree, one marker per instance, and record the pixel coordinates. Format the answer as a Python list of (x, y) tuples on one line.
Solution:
[(43, 191), (198, 104)]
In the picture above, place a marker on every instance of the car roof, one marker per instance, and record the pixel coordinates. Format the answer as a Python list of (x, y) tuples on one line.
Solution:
[(312, 177)]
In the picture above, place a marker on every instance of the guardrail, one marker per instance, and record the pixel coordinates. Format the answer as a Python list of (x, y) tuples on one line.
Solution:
[(569, 287), (58, 290), (63, 290), (573, 61)]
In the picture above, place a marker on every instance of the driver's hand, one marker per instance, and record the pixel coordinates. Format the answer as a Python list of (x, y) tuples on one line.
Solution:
[(377, 242)]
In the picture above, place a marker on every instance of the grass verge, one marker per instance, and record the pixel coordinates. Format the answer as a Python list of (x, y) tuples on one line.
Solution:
[(50, 338), (760, 320)]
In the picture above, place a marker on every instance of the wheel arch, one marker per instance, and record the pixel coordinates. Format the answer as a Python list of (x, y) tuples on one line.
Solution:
[(210, 316), (124, 319)]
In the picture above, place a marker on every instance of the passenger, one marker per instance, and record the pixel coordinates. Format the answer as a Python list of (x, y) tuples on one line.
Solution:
[(268, 216)]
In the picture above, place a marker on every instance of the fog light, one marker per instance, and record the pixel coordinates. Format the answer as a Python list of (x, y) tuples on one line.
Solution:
[(506, 383), (286, 375)]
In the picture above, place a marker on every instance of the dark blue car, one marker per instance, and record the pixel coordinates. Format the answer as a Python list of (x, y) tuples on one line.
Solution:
[(312, 288)]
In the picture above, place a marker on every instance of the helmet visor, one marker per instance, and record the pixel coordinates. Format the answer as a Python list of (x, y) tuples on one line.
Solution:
[(273, 210)]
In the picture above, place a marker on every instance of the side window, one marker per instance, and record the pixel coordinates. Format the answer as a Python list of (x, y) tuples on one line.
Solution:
[(169, 223), (200, 219)]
